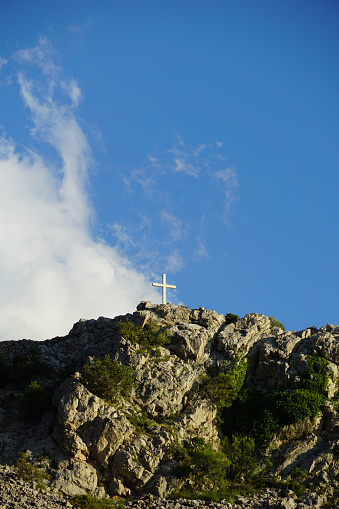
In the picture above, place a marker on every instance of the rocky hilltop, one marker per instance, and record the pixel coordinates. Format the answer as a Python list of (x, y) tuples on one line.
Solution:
[(171, 402)]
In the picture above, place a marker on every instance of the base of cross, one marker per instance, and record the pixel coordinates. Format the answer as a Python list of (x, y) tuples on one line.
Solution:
[(144, 304), (147, 304)]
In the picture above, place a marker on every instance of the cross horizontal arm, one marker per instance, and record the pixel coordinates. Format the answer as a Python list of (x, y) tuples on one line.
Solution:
[(167, 286)]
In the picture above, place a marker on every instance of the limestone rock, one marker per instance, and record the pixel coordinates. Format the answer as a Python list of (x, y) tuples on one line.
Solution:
[(123, 449), (78, 479)]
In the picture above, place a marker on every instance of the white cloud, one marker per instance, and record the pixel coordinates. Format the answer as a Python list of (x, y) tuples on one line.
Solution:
[(174, 261), (179, 210), (3, 62), (185, 160), (52, 271), (229, 179), (175, 226), (124, 236), (81, 29), (201, 251), (43, 55), (139, 176), (73, 91), (201, 148)]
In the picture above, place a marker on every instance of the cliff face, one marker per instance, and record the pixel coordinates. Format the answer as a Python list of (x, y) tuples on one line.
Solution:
[(126, 446)]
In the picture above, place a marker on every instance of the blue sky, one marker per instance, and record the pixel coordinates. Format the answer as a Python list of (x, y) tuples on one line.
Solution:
[(194, 138)]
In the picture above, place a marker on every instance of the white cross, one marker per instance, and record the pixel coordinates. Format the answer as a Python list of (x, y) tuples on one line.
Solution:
[(164, 286)]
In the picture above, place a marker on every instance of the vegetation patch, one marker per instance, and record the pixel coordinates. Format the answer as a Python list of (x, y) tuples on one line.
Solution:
[(223, 389), (200, 464), (28, 366), (108, 379), (231, 318), (148, 337), (241, 453), (22, 368), (27, 470), (141, 420), (34, 401), (215, 475), (249, 420), (231, 472), (295, 483), (315, 378), (89, 502), (261, 415), (276, 323)]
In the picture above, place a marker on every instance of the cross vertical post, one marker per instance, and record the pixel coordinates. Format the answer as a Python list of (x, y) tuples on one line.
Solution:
[(163, 285)]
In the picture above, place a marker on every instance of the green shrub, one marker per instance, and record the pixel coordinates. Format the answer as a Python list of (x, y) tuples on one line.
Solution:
[(315, 378), (294, 485), (276, 323), (298, 405), (141, 420), (252, 414), (27, 470), (265, 426), (200, 463), (241, 454), (89, 502), (231, 318), (108, 379), (224, 388), (27, 366), (149, 336), (212, 475), (220, 389), (34, 401), (260, 415), (298, 474), (248, 419), (41, 486)]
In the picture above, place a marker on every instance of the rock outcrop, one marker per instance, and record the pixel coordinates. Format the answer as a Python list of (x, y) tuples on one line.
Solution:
[(124, 448)]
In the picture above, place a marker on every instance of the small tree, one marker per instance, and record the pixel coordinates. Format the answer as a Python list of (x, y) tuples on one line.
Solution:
[(200, 463), (240, 451), (276, 323), (148, 336), (34, 401), (108, 379), (231, 318), (224, 388), (316, 377), (27, 366)]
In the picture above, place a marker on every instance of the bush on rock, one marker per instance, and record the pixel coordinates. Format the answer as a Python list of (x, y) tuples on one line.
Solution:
[(108, 379)]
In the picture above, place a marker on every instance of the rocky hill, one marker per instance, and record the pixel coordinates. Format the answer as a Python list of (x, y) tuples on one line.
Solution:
[(170, 403)]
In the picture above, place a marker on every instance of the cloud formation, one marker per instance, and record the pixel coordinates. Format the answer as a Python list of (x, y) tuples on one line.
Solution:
[(174, 224), (178, 198), (52, 270), (3, 62), (229, 179), (186, 161)]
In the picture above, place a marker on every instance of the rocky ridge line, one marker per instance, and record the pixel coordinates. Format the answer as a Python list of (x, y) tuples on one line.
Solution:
[(93, 447)]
